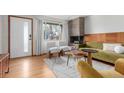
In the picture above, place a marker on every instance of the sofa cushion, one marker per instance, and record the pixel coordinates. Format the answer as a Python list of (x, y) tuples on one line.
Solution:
[(94, 44), (107, 56), (111, 74), (119, 65)]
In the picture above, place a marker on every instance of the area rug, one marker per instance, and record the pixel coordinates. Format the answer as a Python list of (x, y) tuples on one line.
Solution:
[(61, 70)]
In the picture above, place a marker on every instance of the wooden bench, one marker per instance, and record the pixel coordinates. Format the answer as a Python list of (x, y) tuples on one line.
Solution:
[(59, 51)]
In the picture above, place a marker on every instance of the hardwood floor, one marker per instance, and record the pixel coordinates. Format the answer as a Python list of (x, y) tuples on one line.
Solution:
[(29, 67)]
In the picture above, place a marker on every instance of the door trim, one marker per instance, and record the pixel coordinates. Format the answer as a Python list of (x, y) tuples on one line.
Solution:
[(9, 29)]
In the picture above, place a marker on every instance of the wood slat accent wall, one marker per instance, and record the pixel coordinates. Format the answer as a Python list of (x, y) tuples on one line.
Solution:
[(117, 37)]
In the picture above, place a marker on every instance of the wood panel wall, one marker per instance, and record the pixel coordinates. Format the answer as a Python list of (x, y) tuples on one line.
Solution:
[(117, 37)]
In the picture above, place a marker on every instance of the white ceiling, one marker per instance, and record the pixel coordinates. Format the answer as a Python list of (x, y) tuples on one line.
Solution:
[(65, 17)]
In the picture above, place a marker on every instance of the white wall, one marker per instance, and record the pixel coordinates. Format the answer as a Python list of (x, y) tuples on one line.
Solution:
[(5, 30), (104, 24), (5, 34)]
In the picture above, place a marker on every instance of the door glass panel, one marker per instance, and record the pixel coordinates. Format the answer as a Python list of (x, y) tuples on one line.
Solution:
[(26, 36)]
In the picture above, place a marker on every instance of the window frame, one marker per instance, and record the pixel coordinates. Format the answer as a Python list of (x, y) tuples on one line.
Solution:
[(52, 23)]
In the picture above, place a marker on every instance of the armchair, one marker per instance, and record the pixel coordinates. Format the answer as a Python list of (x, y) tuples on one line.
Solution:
[(86, 71)]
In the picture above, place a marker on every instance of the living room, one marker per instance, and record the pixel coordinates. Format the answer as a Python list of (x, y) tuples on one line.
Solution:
[(60, 45), (64, 46)]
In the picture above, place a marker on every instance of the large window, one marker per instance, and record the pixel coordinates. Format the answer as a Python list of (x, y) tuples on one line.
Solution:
[(52, 31)]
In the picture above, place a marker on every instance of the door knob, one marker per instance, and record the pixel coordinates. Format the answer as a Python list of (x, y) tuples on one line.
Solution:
[(30, 37)]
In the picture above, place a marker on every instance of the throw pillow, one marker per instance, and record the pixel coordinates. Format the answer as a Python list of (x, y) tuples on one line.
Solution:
[(119, 49), (110, 46)]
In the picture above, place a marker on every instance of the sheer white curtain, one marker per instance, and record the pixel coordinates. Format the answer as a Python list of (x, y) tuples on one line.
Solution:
[(39, 37)]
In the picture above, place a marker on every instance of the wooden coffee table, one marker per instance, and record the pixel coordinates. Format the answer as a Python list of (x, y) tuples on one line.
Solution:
[(89, 57), (75, 54)]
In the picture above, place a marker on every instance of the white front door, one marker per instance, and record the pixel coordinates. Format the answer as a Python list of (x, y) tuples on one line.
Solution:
[(20, 37)]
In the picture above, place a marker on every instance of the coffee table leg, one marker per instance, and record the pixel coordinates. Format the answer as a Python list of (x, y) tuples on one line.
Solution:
[(68, 59), (89, 60)]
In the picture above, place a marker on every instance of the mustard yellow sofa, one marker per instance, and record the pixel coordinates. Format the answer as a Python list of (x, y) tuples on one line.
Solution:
[(86, 71)]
